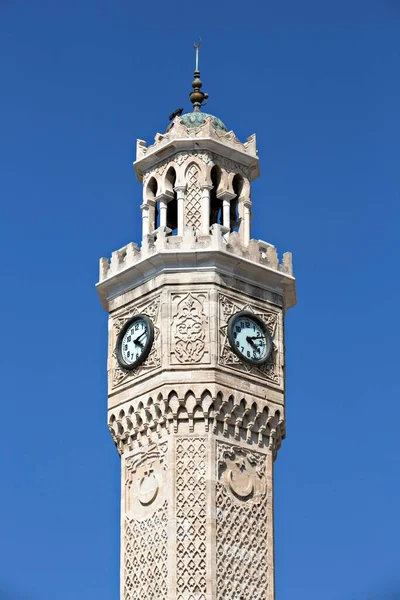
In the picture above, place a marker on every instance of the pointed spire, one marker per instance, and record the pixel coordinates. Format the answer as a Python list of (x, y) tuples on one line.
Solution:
[(197, 97)]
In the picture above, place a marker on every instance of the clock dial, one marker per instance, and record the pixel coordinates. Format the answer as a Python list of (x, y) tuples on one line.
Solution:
[(134, 341), (249, 337)]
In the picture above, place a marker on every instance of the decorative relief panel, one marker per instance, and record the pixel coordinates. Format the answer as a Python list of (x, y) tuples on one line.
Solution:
[(145, 531), (151, 308), (190, 328), (272, 369), (145, 478), (242, 525), (193, 198), (191, 549)]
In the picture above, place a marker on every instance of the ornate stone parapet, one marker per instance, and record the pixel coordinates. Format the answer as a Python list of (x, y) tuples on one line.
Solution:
[(178, 131), (218, 239)]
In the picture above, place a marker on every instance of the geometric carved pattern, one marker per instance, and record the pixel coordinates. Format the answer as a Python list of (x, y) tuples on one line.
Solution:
[(227, 307), (146, 554), (151, 309), (189, 328), (242, 527), (193, 198), (191, 518)]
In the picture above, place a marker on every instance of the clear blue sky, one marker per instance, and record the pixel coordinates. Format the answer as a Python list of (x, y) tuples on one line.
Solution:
[(319, 84)]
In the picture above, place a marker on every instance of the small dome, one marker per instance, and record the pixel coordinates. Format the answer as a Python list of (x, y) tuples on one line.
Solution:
[(197, 119)]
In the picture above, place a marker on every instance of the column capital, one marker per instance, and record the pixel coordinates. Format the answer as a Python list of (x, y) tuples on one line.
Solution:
[(226, 195), (165, 196)]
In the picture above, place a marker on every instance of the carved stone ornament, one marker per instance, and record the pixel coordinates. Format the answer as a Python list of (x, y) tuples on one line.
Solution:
[(189, 328), (191, 544), (146, 556), (243, 531), (231, 166), (271, 370), (242, 472), (150, 308), (180, 158), (144, 477)]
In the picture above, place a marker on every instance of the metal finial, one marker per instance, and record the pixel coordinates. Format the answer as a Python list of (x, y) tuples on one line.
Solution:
[(196, 48), (197, 97)]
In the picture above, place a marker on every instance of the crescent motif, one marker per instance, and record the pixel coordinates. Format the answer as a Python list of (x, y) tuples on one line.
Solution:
[(238, 489), (148, 489)]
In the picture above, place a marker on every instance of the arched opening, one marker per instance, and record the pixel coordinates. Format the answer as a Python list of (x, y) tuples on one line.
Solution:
[(151, 193), (172, 206), (237, 185), (215, 203)]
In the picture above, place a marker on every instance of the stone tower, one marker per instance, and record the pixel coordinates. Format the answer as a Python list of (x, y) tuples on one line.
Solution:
[(196, 396)]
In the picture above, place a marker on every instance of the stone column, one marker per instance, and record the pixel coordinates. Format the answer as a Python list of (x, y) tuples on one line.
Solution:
[(205, 209), (246, 222), (145, 220), (226, 198), (180, 195), (163, 212)]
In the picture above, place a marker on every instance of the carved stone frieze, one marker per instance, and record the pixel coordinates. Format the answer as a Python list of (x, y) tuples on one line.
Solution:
[(189, 328), (254, 422), (180, 158), (231, 166), (191, 543), (151, 308), (242, 529), (272, 369)]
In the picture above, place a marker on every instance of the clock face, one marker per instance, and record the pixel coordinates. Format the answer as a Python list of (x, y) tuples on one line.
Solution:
[(134, 341), (249, 338)]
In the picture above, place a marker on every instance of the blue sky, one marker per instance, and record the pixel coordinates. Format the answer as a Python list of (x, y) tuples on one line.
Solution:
[(319, 84)]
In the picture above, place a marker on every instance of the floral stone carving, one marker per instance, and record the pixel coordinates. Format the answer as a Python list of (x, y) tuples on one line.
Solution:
[(189, 328), (151, 308), (271, 370)]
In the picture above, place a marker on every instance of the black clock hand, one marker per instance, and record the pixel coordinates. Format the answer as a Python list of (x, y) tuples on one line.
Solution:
[(250, 341), (136, 341)]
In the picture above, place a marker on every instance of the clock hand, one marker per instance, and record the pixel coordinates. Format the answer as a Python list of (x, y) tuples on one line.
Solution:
[(136, 341), (250, 341)]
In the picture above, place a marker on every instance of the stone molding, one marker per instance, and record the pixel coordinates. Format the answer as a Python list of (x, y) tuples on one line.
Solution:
[(253, 421)]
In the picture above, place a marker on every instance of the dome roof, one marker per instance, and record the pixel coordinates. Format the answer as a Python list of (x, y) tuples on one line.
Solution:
[(197, 119)]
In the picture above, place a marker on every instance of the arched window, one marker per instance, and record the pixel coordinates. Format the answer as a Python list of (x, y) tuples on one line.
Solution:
[(151, 193), (215, 203), (237, 185), (172, 206)]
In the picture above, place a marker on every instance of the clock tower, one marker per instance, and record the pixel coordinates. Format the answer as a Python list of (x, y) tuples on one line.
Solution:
[(196, 376)]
